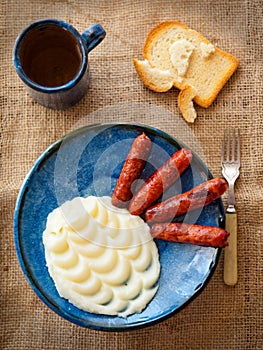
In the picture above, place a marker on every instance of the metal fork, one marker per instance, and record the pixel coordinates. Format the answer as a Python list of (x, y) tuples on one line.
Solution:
[(230, 162)]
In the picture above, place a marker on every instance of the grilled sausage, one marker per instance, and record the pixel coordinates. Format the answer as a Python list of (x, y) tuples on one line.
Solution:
[(193, 234), (180, 204), (160, 180), (131, 170)]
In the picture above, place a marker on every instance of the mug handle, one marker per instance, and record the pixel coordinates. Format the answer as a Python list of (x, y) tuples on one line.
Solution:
[(93, 36)]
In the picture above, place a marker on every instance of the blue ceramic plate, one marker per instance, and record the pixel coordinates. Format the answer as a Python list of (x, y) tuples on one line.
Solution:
[(88, 162)]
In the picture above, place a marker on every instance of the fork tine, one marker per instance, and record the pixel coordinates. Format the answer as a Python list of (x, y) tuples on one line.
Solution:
[(233, 145), (228, 146), (223, 148), (238, 146)]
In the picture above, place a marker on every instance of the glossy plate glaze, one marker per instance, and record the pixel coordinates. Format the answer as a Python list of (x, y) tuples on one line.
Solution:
[(88, 162)]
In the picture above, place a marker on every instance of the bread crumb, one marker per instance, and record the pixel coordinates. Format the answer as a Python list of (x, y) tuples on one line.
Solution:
[(180, 52), (206, 49)]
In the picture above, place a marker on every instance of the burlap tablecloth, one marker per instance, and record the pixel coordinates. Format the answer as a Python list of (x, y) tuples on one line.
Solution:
[(221, 317)]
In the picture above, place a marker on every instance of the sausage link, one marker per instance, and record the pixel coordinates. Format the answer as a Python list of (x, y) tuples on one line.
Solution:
[(160, 180), (197, 197), (193, 234), (131, 170)]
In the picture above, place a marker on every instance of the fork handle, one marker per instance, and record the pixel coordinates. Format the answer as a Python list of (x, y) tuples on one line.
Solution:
[(230, 252)]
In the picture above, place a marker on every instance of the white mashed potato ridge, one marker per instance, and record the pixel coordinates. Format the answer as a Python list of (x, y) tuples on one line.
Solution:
[(101, 258)]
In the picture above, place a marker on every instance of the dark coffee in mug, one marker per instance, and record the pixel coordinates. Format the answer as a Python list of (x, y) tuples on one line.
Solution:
[(50, 56)]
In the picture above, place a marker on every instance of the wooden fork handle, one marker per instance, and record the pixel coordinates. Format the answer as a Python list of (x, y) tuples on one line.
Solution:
[(230, 252)]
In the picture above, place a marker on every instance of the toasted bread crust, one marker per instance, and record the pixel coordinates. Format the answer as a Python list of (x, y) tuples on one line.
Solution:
[(185, 103), (233, 64), (152, 81), (156, 32)]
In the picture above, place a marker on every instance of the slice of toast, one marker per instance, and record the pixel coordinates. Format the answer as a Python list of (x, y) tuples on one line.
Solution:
[(175, 55)]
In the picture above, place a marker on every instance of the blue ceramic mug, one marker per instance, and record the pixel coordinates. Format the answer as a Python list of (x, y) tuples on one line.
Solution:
[(51, 58)]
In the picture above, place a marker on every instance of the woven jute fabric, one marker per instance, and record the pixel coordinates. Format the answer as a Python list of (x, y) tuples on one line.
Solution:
[(221, 317)]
